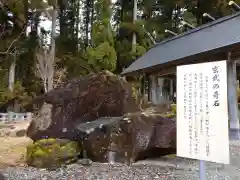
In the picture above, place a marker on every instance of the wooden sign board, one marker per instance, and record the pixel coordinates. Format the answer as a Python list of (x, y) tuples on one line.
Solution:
[(202, 112)]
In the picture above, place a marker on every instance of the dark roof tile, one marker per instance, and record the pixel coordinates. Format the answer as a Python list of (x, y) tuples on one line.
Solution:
[(220, 33)]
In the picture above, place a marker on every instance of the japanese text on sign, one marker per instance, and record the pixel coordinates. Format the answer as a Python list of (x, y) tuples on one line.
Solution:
[(202, 114), (216, 87)]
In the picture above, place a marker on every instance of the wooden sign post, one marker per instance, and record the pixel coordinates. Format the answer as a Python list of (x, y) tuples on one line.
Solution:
[(202, 113)]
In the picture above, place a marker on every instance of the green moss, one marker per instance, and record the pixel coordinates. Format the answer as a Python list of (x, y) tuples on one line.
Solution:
[(169, 115), (171, 156), (134, 93), (172, 113), (174, 109), (48, 153)]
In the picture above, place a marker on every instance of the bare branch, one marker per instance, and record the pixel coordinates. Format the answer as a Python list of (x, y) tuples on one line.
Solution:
[(59, 77), (87, 69), (4, 5), (13, 42), (1, 4), (41, 66), (3, 29)]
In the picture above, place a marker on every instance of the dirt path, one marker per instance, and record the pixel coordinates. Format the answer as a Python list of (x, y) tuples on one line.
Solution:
[(12, 150), (13, 129)]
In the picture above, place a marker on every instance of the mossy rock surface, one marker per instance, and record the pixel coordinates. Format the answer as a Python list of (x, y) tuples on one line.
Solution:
[(174, 108), (52, 153), (169, 115), (172, 113), (171, 156)]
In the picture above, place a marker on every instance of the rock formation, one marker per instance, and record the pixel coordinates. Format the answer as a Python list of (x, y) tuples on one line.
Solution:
[(129, 138), (79, 100), (99, 112)]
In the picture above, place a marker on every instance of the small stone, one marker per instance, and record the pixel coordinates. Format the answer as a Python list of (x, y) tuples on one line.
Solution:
[(85, 162), (64, 130), (125, 119), (157, 177)]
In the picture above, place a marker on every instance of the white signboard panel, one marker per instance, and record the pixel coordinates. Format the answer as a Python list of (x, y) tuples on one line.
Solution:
[(202, 112)]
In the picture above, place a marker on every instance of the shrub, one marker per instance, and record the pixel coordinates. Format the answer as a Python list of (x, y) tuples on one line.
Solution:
[(174, 109), (52, 153), (135, 94), (172, 113)]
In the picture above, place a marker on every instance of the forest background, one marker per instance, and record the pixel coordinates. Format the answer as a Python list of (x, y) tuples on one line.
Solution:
[(44, 43)]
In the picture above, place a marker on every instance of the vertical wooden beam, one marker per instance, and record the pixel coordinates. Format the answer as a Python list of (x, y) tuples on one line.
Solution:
[(153, 88), (232, 98), (171, 89), (149, 87)]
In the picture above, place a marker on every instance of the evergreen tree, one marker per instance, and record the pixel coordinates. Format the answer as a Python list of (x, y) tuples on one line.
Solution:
[(93, 34)]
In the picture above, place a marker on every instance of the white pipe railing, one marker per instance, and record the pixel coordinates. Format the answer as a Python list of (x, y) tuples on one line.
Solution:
[(11, 116)]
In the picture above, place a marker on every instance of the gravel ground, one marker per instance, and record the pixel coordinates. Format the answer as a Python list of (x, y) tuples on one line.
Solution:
[(107, 172), (168, 169)]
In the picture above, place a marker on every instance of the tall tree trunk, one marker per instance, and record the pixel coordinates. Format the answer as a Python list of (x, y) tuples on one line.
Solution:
[(76, 33), (92, 18), (134, 39), (52, 51), (62, 18), (11, 78), (199, 13), (73, 19), (87, 22)]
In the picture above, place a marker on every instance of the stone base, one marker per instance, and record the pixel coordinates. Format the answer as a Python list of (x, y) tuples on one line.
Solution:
[(234, 134)]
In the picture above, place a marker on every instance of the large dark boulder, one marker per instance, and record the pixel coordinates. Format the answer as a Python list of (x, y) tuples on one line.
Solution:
[(129, 138), (79, 100)]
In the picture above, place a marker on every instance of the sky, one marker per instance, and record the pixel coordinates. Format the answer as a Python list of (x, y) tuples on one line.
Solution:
[(46, 24)]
